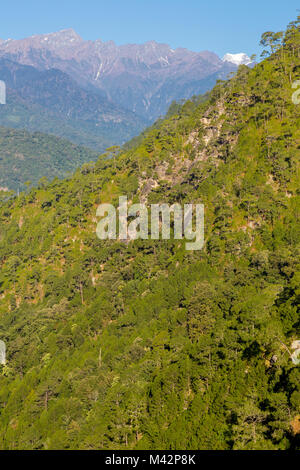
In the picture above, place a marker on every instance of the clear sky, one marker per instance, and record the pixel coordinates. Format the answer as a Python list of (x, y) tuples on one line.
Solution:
[(217, 25)]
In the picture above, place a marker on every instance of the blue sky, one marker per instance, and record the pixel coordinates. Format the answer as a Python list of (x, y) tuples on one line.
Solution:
[(218, 25)]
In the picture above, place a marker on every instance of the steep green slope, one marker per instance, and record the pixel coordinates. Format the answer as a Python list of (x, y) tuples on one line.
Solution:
[(144, 345), (28, 157)]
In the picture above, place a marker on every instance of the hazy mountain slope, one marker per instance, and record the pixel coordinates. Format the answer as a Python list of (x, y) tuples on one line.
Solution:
[(29, 157), (144, 78), (143, 345), (20, 114), (50, 101)]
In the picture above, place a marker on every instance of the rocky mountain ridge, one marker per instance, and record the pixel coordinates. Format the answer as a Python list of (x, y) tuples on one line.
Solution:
[(144, 78)]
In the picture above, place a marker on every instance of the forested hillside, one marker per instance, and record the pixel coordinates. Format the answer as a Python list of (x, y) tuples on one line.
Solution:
[(26, 157), (144, 345)]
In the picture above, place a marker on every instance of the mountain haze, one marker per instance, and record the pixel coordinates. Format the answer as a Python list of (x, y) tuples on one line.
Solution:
[(51, 101)]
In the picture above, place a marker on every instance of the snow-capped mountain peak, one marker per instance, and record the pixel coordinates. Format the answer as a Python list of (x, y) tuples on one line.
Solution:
[(237, 59)]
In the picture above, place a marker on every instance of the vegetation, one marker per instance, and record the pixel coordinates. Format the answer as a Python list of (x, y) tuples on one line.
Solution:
[(28, 157), (143, 345)]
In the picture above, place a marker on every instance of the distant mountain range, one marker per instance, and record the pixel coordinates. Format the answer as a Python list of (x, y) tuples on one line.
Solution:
[(143, 79), (51, 101)]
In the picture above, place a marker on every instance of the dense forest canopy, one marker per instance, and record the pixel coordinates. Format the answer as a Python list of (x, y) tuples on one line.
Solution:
[(144, 345), (26, 156)]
